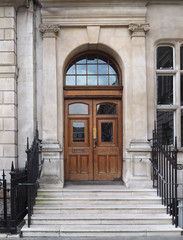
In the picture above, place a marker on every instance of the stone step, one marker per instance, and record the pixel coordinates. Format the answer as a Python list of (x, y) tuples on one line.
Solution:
[(99, 230), (94, 200), (100, 219), (99, 209), (98, 200), (95, 192)]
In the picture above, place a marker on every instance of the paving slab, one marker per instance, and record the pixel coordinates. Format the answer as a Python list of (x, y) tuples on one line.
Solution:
[(96, 238)]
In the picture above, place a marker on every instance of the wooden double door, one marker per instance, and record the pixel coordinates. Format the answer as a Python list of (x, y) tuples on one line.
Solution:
[(93, 140)]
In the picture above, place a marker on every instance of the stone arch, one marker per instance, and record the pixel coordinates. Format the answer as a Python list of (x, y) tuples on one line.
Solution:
[(99, 47)]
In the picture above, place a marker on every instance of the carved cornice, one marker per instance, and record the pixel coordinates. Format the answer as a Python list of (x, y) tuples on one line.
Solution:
[(49, 31), (138, 30)]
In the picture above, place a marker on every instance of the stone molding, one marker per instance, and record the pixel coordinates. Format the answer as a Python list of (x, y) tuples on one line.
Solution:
[(138, 30), (49, 30)]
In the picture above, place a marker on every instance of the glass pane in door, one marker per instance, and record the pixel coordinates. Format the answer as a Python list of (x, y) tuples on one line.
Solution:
[(107, 132), (78, 132)]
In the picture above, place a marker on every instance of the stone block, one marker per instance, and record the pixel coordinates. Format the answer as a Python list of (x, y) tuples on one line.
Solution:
[(7, 58), (7, 23), (1, 150), (9, 97), (7, 84), (10, 34), (7, 137), (1, 34), (10, 150), (10, 124), (1, 97), (5, 163), (10, 12), (7, 110), (1, 124), (7, 46), (1, 11)]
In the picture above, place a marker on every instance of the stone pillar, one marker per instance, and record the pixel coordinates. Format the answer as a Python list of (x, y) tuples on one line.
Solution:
[(139, 89), (138, 163), (8, 88), (26, 79), (51, 148)]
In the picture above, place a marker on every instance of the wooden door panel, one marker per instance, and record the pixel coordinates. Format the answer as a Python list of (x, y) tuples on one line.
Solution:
[(102, 164), (107, 121), (84, 164), (87, 158), (78, 140), (113, 164), (73, 162)]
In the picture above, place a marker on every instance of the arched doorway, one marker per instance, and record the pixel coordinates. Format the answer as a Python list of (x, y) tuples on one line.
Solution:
[(93, 118)]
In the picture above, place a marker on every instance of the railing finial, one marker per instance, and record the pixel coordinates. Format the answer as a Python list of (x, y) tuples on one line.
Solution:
[(12, 167)]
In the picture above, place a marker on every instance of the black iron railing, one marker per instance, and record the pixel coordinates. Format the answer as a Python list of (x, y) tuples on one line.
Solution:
[(14, 204), (33, 172), (165, 174), (18, 197)]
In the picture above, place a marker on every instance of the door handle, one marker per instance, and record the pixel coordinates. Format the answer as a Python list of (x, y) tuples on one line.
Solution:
[(94, 133), (95, 137)]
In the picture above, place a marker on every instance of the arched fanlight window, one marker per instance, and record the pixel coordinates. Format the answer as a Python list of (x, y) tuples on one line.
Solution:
[(91, 70)]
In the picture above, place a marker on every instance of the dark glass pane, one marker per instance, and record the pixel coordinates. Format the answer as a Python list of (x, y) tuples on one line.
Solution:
[(103, 80), (106, 108), (181, 58), (78, 108), (81, 60), (92, 59), (102, 59), (107, 132), (78, 132), (92, 80), (165, 127), (165, 57), (165, 90), (181, 128), (92, 69), (181, 89), (70, 80)]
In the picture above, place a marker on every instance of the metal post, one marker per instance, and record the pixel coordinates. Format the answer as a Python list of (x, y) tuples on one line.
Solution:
[(13, 198), (5, 196), (176, 186)]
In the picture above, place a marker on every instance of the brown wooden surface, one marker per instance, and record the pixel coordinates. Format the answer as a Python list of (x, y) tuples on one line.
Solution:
[(93, 159)]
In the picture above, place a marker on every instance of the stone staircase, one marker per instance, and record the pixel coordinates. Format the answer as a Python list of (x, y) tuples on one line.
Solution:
[(108, 210)]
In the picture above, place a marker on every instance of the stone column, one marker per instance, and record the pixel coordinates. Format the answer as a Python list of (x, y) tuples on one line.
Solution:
[(51, 148), (139, 89), (137, 163)]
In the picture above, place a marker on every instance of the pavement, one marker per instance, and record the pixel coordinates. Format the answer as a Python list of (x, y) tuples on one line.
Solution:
[(10, 237)]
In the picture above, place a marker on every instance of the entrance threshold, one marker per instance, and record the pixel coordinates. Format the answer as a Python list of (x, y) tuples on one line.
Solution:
[(69, 183)]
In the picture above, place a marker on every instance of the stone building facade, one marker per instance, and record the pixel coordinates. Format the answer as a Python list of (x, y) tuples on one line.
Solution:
[(41, 39)]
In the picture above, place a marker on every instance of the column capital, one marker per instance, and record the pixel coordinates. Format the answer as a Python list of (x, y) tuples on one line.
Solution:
[(138, 30), (49, 30)]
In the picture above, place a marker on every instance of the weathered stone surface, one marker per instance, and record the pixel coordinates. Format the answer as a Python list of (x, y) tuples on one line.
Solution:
[(7, 58)]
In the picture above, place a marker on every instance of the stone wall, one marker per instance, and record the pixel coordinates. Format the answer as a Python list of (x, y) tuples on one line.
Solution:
[(8, 88)]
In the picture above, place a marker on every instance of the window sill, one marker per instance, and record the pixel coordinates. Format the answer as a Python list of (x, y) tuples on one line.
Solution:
[(168, 71), (167, 107)]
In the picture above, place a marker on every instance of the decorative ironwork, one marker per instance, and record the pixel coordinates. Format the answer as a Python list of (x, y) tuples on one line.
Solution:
[(164, 162), (23, 190)]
